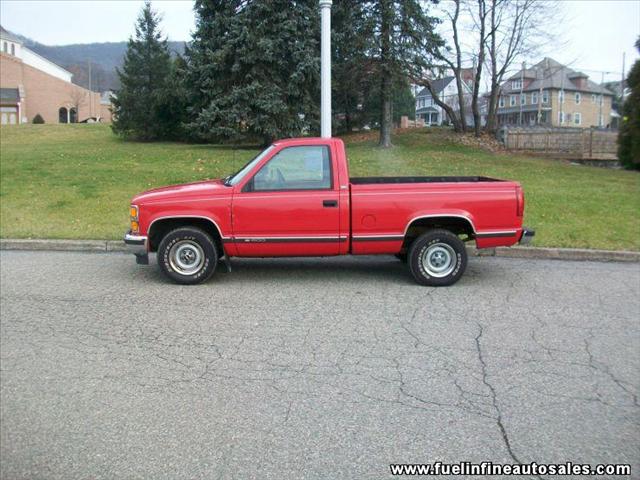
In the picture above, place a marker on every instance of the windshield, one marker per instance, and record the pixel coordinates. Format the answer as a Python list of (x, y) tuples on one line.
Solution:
[(240, 174)]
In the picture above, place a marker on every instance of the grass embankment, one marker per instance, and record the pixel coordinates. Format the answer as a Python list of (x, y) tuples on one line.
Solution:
[(75, 181)]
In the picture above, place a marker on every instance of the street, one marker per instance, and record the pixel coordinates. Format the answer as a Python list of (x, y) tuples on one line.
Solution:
[(313, 368)]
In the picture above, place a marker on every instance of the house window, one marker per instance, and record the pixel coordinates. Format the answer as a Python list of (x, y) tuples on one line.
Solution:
[(600, 120), (560, 118), (578, 98), (534, 98), (5, 47), (429, 102), (13, 49), (545, 96), (577, 118), (516, 84), (501, 102), (512, 100), (561, 96), (523, 98), (593, 98)]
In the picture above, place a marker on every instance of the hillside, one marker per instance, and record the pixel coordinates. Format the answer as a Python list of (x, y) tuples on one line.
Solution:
[(104, 58)]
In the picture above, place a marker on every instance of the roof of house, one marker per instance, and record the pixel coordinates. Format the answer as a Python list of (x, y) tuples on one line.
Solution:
[(8, 35), (427, 110), (437, 85), (552, 74), (9, 95)]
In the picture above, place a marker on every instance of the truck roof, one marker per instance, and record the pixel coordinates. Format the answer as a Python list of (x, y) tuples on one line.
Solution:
[(307, 141)]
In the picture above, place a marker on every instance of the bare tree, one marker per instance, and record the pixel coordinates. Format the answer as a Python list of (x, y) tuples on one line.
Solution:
[(481, 23), (517, 29), (425, 81), (456, 68), (77, 97)]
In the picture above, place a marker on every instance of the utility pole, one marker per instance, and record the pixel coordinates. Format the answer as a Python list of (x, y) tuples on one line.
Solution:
[(622, 85), (90, 95), (524, 65), (561, 97), (325, 69), (540, 78), (601, 101), (415, 101)]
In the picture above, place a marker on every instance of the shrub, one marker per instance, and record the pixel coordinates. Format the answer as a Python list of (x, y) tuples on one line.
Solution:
[(38, 119)]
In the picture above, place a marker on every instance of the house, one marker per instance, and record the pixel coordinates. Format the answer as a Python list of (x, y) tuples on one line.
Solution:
[(553, 94), (31, 85), (447, 91)]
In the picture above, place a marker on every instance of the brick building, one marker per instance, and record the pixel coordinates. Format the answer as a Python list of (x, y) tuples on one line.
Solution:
[(31, 85), (553, 94)]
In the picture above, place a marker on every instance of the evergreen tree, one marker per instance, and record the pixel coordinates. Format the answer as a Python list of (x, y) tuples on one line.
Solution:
[(253, 69), (405, 43), (139, 107), (351, 42), (629, 136)]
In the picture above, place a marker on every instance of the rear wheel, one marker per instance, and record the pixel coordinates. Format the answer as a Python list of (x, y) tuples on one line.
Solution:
[(187, 255), (437, 258)]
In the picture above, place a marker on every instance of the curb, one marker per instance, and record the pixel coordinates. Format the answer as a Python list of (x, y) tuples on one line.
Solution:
[(64, 245), (106, 246), (578, 254)]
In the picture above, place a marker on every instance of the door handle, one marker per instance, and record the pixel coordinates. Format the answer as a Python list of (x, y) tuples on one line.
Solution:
[(329, 203)]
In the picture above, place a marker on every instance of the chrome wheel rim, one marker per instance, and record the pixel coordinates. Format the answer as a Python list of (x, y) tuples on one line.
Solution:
[(439, 260), (186, 257)]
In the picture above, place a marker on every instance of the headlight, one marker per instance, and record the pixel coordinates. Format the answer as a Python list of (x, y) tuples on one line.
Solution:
[(133, 214)]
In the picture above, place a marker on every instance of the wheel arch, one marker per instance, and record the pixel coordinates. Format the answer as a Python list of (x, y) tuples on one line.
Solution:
[(160, 226), (456, 223)]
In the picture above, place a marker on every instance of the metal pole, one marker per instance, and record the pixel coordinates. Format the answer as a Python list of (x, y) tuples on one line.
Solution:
[(521, 88), (325, 69), (600, 119), (622, 85)]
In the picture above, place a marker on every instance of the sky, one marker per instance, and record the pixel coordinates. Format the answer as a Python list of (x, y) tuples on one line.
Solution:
[(594, 35)]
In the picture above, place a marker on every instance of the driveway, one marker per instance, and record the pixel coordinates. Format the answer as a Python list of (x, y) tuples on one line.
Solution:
[(313, 368)]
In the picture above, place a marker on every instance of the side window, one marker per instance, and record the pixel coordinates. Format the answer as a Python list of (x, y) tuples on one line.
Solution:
[(295, 168)]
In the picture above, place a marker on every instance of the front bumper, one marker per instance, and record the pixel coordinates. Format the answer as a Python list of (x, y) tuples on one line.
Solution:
[(527, 236), (138, 245)]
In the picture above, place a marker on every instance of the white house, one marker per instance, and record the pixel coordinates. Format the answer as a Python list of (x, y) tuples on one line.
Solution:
[(447, 91)]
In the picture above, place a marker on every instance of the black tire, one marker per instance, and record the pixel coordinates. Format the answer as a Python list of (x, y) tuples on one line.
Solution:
[(191, 248), (445, 247)]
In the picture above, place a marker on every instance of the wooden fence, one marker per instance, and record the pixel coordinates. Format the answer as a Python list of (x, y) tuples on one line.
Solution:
[(570, 143)]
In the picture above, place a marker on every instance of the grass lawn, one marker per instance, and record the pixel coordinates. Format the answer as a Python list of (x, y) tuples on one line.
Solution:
[(75, 181)]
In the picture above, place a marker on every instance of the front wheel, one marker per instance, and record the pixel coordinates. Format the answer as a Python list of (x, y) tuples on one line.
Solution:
[(437, 258), (187, 255)]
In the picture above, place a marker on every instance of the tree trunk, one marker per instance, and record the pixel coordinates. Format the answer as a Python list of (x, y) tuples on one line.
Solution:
[(458, 69), (493, 106), (476, 84), (457, 126), (386, 11), (495, 85)]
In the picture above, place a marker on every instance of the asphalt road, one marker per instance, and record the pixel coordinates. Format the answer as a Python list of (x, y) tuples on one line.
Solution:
[(312, 368)]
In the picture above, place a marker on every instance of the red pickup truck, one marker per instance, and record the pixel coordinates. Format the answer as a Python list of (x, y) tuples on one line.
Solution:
[(296, 199)]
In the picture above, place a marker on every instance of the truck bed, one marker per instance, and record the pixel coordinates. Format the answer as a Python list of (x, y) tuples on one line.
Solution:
[(382, 207), (380, 180)]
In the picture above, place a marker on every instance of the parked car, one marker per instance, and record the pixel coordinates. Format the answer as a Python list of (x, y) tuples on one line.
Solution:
[(296, 199)]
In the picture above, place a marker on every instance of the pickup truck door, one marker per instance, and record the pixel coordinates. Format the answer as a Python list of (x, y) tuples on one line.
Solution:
[(290, 206)]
